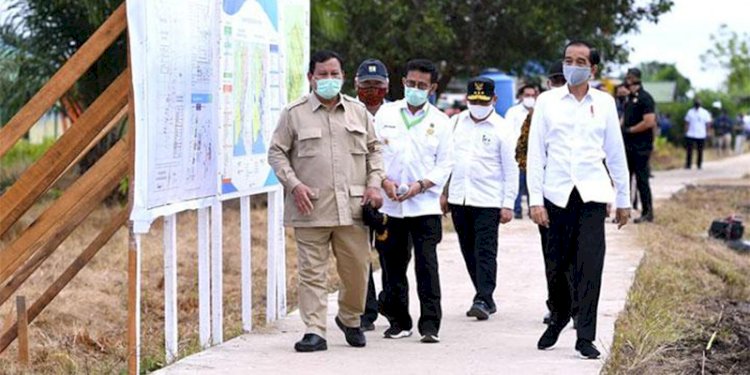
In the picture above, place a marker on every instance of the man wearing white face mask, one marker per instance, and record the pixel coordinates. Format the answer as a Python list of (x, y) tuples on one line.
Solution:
[(482, 189), (417, 150), (326, 154), (516, 115), (574, 131)]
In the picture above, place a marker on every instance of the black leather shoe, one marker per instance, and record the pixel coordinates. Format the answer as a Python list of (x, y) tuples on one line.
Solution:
[(587, 349), (354, 335), (550, 335), (479, 310), (311, 343)]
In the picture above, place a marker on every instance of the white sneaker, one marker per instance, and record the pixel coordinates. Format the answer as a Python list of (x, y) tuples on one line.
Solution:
[(396, 333)]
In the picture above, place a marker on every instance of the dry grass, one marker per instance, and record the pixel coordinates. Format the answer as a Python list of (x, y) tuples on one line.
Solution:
[(680, 287), (84, 329), (667, 156)]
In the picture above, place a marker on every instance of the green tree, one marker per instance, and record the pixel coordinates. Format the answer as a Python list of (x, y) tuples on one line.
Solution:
[(730, 51), (465, 37), (659, 71), (38, 36)]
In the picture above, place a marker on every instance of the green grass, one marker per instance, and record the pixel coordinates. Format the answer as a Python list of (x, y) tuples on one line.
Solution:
[(671, 310)]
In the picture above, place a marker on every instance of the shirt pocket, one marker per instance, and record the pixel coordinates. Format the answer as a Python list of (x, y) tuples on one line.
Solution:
[(357, 139), (309, 142), (356, 192)]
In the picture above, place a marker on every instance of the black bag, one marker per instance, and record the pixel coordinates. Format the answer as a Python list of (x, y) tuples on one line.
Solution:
[(729, 229)]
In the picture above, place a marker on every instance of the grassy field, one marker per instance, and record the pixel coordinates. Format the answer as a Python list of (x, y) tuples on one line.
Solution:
[(687, 289), (83, 329)]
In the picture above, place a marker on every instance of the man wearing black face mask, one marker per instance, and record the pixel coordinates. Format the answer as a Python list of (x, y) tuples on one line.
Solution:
[(371, 82), (638, 123)]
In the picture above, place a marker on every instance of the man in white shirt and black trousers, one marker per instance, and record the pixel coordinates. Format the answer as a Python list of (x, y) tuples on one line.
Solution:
[(574, 131), (482, 188), (417, 148)]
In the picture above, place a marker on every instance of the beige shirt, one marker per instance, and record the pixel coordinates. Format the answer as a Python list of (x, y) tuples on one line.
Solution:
[(334, 152)]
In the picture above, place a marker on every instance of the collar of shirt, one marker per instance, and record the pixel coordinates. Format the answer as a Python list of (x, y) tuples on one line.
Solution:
[(405, 109), (316, 104)]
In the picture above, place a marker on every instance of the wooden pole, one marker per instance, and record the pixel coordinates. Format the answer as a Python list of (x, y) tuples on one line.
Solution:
[(134, 255), (23, 331)]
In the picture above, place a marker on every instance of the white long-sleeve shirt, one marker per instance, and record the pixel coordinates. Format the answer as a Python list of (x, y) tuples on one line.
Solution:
[(569, 141), (422, 151), (515, 116), (485, 173)]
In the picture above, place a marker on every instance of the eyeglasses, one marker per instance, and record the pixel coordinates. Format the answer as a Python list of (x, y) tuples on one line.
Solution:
[(420, 85), (578, 63)]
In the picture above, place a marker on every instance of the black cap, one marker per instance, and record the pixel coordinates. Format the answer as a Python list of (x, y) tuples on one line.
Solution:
[(480, 88), (556, 69), (635, 72), (372, 69)]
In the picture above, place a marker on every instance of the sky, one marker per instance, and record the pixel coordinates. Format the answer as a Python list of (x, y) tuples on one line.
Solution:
[(683, 35)]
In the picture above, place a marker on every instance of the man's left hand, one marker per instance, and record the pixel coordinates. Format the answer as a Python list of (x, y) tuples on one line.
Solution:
[(506, 215), (373, 197), (622, 215), (414, 189)]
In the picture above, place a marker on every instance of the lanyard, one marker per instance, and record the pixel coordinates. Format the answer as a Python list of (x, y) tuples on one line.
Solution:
[(416, 121)]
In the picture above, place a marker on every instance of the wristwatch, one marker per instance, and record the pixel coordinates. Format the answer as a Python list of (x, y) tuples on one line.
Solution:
[(421, 186)]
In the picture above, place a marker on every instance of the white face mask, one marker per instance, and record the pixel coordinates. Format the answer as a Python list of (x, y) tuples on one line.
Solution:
[(480, 112), (528, 102)]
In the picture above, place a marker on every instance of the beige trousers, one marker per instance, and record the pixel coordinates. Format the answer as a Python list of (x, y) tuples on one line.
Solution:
[(352, 252)]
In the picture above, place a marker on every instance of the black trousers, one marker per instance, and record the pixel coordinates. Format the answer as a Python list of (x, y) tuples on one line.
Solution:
[(477, 229), (638, 164), (375, 300), (543, 235), (426, 232), (698, 143), (575, 259)]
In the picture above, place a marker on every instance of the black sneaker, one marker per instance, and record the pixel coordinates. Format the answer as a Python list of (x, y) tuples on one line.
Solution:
[(311, 343), (367, 326), (586, 349), (395, 332), (430, 338), (353, 335), (550, 335), (479, 310), (644, 219)]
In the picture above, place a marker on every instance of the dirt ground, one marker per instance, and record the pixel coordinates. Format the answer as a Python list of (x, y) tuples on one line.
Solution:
[(84, 329), (688, 289)]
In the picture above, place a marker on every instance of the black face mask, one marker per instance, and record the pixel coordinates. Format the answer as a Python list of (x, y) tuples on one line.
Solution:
[(696, 105)]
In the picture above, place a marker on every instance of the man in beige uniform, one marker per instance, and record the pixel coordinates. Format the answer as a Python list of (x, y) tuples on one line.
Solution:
[(326, 154)]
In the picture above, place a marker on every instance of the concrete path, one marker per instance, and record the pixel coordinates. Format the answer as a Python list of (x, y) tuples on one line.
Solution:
[(504, 344)]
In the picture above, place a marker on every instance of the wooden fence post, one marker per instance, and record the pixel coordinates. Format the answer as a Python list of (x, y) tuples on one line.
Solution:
[(23, 331)]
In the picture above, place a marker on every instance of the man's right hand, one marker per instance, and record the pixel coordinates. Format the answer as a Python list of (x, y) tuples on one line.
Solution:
[(539, 216), (444, 204), (390, 189), (303, 199)]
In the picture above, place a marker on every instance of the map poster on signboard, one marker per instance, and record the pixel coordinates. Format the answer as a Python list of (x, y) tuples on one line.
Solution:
[(174, 49), (263, 55), (210, 79)]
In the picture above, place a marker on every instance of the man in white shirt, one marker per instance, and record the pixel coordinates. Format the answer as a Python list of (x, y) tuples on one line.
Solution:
[(697, 121), (417, 151), (574, 131), (482, 188), (516, 115)]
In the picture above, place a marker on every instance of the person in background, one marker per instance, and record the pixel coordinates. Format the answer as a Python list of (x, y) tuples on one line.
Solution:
[(326, 187), (740, 134), (638, 123), (515, 116), (371, 82), (555, 79), (482, 189), (621, 97), (418, 159), (722, 127), (665, 127), (574, 132), (697, 121)]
